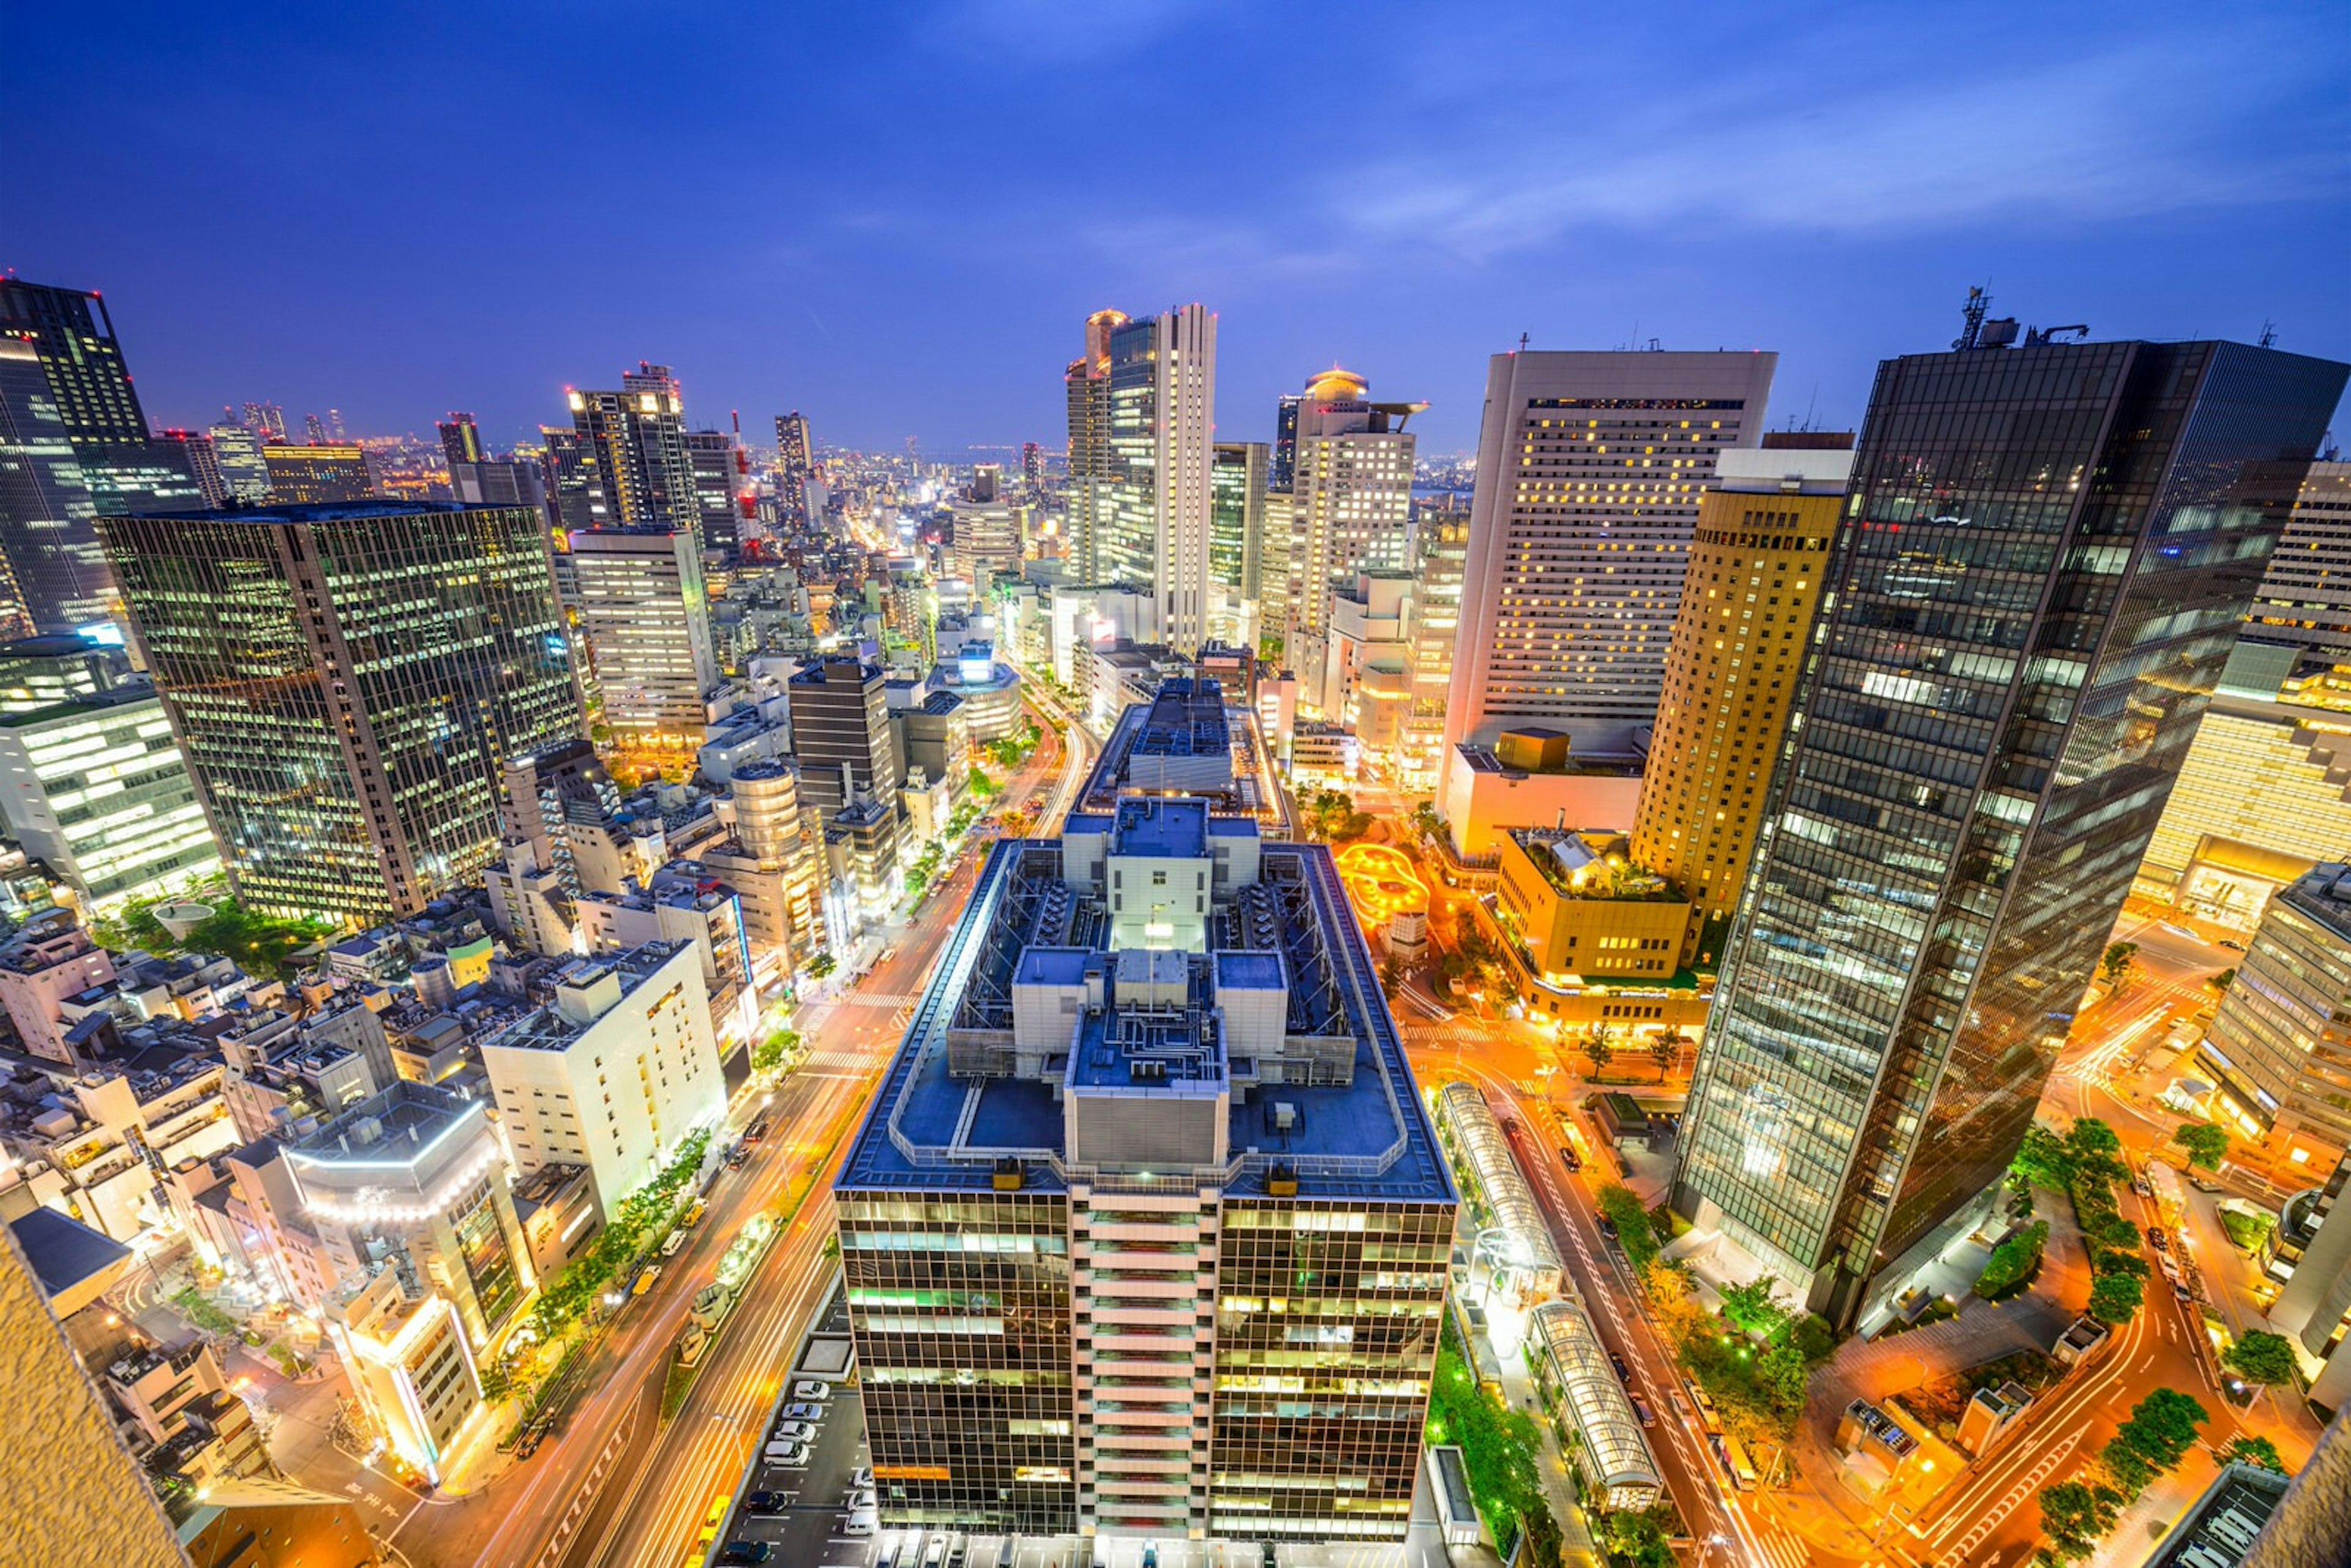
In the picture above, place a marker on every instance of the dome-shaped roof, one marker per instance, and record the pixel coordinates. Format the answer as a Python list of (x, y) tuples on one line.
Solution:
[(1335, 386)]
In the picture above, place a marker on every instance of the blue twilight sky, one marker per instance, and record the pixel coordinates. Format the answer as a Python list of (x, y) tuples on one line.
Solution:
[(895, 216)]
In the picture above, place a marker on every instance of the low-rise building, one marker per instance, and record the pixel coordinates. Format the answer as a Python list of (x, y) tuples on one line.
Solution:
[(1528, 778), (404, 1350), (1580, 910), (48, 962), (615, 1072)]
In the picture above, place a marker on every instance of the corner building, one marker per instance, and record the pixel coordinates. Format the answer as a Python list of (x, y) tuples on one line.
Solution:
[(1146, 1233), (2046, 553)]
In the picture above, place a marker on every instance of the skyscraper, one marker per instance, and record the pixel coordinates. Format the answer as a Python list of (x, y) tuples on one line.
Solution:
[(1151, 526), (1282, 467), (265, 420), (1086, 384), (566, 465), (1235, 541), (1097, 1280), (1442, 543), (47, 514), (795, 464), (348, 682), (635, 465), (714, 454), (2046, 554), (1757, 569), (645, 616), (236, 454), (1351, 490), (72, 335), (1588, 471), (460, 438)]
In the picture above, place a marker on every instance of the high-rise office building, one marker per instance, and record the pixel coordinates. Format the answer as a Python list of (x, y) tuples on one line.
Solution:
[(236, 454), (1032, 465), (1086, 385), (1146, 1233), (1350, 488), (645, 616), (201, 462), (314, 430), (265, 420), (1282, 465), (565, 462), (2304, 602), (1152, 524), (633, 460), (347, 682), (1441, 540), (719, 473), (56, 571), (1758, 563), (1235, 541), (2279, 1048), (316, 476), (72, 335), (795, 465), (2045, 555), (841, 730), (95, 786), (1590, 467), (461, 439)]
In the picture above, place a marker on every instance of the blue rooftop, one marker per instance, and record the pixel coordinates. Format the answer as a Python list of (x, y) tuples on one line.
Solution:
[(1051, 966), (1249, 971), (1174, 830)]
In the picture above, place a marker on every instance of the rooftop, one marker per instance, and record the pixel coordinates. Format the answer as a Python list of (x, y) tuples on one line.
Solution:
[(326, 511)]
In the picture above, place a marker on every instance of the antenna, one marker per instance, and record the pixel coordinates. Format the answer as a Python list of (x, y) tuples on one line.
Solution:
[(1973, 313), (2269, 334), (1522, 342)]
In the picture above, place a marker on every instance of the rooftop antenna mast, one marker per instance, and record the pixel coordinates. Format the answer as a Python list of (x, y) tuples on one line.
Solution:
[(1973, 312), (2269, 334)]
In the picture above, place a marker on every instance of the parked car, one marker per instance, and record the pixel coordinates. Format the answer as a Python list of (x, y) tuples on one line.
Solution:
[(1648, 1417), (532, 1436), (857, 1524), (751, 1552), (803, 1412), (2232, 945), (2162, 1242), (1570, 1158), (1608, 1227), (861, 1477), (809, 1389), (755, 1130), (1623, 1373), (766, 1502), (794, 1432), (788, 1454)]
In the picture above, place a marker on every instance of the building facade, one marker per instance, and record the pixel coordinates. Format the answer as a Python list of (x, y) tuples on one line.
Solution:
[(1086, 391), (316, 475), (1350, 493), (1590, 467), (2279, 1045), (1150, 522), (347, 683), (645, 613), (841, 738), (2046, 553), (96, 786), (1758, 563), (634, 469), (1236, 541)]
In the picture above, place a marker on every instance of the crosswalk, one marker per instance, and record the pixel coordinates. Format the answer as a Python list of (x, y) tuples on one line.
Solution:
[(876, 999), (836, 1061)]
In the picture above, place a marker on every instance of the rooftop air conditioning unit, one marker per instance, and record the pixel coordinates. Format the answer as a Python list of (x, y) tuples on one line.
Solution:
[(1285, 1116)]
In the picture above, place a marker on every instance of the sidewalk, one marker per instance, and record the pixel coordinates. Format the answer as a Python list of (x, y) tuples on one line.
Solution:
[(1575, 1540)]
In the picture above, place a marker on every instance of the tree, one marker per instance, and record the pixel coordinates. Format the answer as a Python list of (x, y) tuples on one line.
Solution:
[(1391, 976), (2113, 1231), (769, 1053), (1596, 1047), (1784, 1376), (1637, 1541), (2115, 1298), (821, 965), (2116, 962), (2130, 1472), (982, 786), (1752, 1310), (2162, 1429), (2223, 980), (2252, 1451), (2206, 1145), (2073, 1516), (2262, 1357), (2091, 1136), (1663, 1052), (2043, 1160), (2013, 1261)]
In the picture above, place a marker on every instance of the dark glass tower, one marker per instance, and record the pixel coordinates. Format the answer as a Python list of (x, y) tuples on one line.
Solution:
[(2044, 558), (348, 683)]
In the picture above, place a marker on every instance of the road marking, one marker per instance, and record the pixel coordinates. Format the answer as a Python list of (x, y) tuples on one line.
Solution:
[(1997, 1515)]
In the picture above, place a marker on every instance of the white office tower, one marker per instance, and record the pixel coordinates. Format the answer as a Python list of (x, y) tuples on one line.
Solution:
[(1152, 526), (1590, 467), (645, 614), (1351, 490)]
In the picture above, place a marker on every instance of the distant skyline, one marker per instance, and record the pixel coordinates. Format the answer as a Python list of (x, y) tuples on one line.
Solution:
[(895, 218)]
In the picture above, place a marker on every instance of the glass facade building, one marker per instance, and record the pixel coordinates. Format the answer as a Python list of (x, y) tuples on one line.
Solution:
[(2045, 555), (348, 682)]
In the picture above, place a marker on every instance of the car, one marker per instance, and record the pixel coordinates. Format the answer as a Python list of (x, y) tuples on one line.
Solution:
[(2162, 1242), (807, 1388), (793, 1432), (856, 1524), (956, 1553), (803, 1412), (749, 1552), (755, 1130), (934, 1555), (532, 1436), (1608, 1227), (858, 1499), (2231, 945), (861, 1477), (790, 1454), (766, 1502), (1570, 1158), (736, 1156), (2142, 1186), (1623, 1373), (1648, 1417)]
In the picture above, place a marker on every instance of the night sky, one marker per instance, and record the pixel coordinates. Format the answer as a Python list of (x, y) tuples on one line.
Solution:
[(895, 218)]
